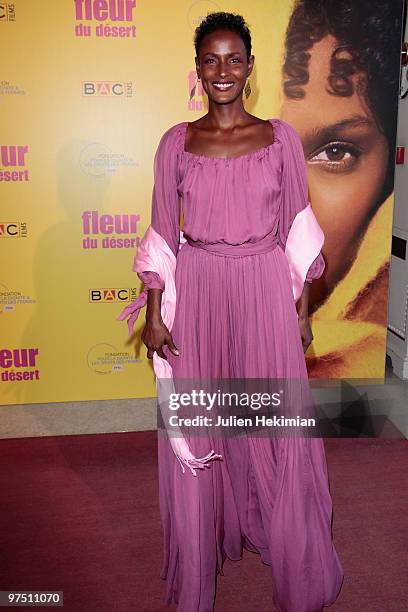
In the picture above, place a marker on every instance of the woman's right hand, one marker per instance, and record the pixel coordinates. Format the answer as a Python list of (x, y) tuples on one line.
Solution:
[(155, 335)]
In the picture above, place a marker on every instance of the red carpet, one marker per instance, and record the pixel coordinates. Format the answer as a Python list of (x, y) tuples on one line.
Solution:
[(80, 514)]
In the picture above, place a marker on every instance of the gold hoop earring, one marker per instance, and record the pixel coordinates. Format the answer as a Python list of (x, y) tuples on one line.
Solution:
[(193, 91), (247, 89)]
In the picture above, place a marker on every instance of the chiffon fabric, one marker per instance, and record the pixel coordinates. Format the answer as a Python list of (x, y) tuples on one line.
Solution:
[(236, 318)]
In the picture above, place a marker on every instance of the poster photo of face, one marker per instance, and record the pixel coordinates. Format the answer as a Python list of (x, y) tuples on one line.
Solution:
[(340, 82)]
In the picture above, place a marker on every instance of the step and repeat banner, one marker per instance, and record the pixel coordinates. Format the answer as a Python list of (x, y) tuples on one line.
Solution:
[(87, 88)]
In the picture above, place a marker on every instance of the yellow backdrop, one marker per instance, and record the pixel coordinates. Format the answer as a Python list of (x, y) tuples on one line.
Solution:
[(87, 91)]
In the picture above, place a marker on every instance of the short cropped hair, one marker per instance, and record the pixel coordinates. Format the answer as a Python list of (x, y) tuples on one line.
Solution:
[(223, 21)]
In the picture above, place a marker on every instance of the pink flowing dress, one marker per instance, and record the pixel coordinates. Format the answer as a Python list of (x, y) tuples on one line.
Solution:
[(236, 318)]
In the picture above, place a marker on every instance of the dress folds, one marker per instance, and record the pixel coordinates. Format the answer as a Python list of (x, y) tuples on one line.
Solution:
[(236, 318)]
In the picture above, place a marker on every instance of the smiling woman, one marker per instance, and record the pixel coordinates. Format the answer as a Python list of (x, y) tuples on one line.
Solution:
[(238, 288), (224, 63)]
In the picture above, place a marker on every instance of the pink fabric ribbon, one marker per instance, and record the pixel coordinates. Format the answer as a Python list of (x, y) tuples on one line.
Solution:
[(155, 255)]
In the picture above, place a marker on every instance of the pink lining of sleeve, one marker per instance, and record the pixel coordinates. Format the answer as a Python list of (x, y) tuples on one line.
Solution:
[(303, 246)]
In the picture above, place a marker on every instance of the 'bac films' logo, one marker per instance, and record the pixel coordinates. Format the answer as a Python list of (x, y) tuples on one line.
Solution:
[(13, 229), (107, 89), (7, 11), (109, 295)]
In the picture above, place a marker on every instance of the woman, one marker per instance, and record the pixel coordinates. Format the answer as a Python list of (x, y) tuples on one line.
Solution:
[(251, 248), (340, 84)]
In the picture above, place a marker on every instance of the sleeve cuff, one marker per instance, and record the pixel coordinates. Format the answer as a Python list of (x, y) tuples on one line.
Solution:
[(151, 280), (316, 269)]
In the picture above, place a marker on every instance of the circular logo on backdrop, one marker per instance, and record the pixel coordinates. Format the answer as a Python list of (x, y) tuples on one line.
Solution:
[(10, 298), (94, 159), (104, 358), (7, 88), (198, 11), (97, 160)]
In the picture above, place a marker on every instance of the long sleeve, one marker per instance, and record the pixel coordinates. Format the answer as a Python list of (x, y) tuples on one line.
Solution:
[(165, 215), (300, 239)]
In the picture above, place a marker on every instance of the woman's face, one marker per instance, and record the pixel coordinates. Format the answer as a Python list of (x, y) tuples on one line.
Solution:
[(223, 66), (347, 160)]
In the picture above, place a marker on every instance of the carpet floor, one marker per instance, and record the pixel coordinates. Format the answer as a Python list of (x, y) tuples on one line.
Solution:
[(80, 514)]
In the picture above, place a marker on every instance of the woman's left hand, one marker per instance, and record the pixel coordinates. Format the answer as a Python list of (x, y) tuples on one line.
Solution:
[(305, 332)]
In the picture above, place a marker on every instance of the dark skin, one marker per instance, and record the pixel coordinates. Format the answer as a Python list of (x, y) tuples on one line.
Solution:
[(226, 131)]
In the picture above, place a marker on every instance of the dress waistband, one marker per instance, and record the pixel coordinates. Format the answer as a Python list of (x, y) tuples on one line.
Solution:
[(268, 243)]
